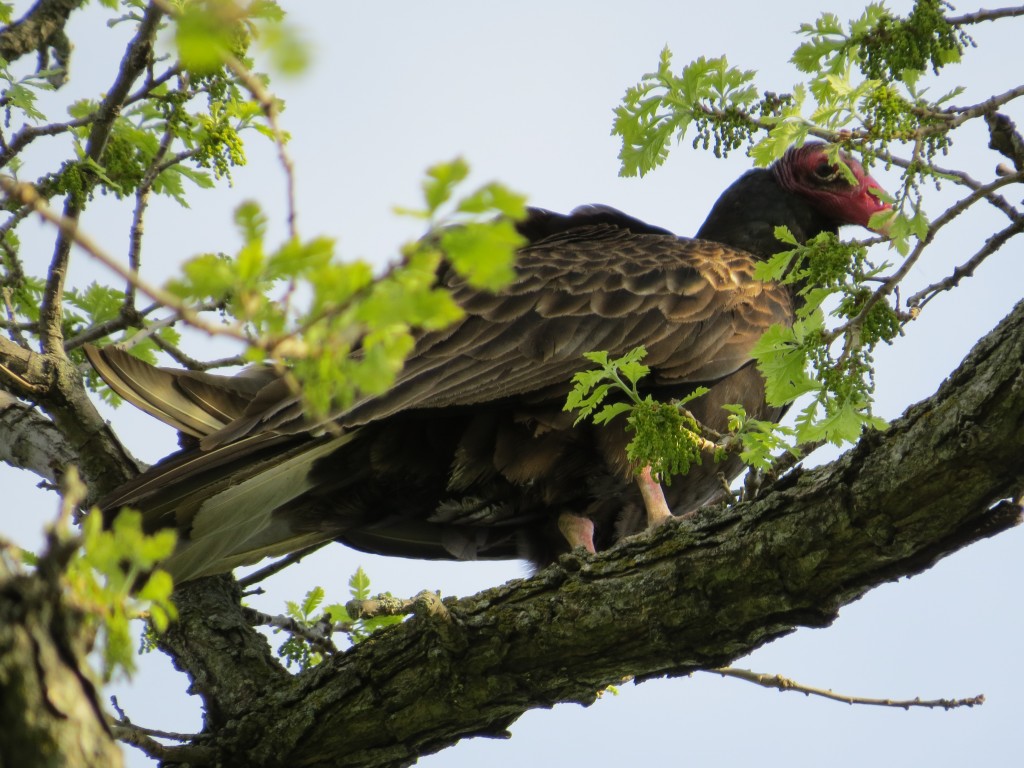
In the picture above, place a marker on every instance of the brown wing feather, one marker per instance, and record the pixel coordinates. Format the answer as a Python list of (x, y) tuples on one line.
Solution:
[(262, 483), (702, 296)]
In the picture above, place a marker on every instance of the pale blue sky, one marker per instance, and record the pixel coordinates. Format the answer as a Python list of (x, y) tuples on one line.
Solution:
[(524, 92)]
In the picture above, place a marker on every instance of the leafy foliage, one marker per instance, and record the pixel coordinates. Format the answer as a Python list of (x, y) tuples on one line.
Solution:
[(112, 577), (360, 629), (841, 381), (708, 95), (666, 437), (864, 93), (760, 440), (343, 331), (297, 649)]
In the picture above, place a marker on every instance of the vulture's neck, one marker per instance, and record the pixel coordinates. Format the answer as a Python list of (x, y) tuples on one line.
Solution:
[(747, 213)]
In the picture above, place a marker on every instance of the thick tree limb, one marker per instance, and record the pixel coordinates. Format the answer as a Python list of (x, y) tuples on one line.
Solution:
[(689, 595), (40, 28), (31, 441), (43, 671), (31, 376)]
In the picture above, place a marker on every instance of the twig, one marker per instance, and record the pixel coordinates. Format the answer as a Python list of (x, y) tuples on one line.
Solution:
[(992, 244), (268, 105), (984, 15), (957, 177), (186, 754), (118, 323), (23, 384), (192, 363), (893, 281), (786, 684), (317, 635), (123, 720), (278, 565), (25, 193), (135, 61)]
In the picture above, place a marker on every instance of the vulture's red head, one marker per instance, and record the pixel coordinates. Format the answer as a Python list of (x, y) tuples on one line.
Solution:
[(808, 171)]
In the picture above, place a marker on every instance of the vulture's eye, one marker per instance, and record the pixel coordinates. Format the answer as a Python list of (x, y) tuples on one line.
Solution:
[(826, 171)]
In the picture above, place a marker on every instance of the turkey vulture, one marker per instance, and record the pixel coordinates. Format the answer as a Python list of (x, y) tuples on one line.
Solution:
[(470, 454)]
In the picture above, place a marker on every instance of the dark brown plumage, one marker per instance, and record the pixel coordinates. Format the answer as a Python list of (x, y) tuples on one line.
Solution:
[(470, 454)]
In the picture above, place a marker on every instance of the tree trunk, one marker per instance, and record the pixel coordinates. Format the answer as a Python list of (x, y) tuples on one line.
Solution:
[(49, 706)]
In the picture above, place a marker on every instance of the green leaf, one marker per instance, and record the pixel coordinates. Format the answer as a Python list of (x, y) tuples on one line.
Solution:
[(782, 361), (359, 585), (24, 99), (494, 197), (484, 252), (289, 52), (441, 181), (203, 38), (609, 412), (313, 598)]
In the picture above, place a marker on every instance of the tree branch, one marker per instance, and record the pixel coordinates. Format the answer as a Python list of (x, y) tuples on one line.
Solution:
[(992, 244), (41, 27), (691, 594), (31, 376), (136, 59), (985, 15), (31, 441), (787, 684)]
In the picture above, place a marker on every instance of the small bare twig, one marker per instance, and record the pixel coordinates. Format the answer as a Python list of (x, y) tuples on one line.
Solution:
[(137, 55), (268, 104), (317, 635), (192, 363), (186, 754), (278, 565), (25, 193), (123, 719), (786, 684), (113, 325), (984, 15), (992, 244)]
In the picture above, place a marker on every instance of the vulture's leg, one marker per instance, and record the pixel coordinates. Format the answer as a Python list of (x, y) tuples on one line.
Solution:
[(578, 530), (654, 498)]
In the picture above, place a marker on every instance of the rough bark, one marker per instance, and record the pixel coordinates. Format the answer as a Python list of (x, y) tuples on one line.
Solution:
[(31, 441), (40, 28), (689, 595), (78, 431), (49, 706)]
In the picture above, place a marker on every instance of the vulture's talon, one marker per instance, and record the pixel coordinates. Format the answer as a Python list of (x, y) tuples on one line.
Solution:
[(577, 530), (658, 511)]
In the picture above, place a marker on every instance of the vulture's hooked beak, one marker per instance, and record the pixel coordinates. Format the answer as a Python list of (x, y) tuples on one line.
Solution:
[(875, 201)]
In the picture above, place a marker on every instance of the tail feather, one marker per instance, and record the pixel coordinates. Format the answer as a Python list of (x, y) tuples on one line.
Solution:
[(194, 403), (241, 524), (225, 502)]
